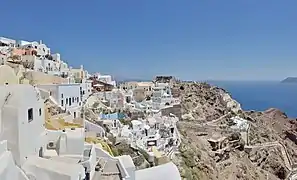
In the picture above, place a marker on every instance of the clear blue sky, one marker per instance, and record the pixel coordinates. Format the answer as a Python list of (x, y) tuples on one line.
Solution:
[(192, 39)]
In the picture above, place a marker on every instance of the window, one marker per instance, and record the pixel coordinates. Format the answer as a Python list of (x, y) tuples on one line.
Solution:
[(69, 101), (39, 111), (72, 99), (74, 115), (30, 114), (62, 95), (62, 102), (66, 100), (77, 99)]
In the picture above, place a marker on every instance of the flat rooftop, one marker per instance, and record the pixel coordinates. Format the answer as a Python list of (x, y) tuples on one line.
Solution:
[(110, 170)]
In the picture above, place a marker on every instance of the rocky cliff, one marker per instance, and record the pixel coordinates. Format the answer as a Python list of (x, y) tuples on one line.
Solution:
[(290, 80), (215, 146)]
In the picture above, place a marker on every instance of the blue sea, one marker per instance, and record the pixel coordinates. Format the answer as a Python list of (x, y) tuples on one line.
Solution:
[(260, 96)]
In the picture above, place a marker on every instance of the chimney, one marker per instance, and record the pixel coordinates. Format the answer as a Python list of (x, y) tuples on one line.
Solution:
[(40, 42)]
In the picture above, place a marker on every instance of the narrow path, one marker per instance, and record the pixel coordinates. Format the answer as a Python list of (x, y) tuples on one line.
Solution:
[(217, 120), (283, 151), (287, 159)]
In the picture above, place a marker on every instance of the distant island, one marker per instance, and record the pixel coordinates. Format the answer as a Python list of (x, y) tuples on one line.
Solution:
[(290, 80)]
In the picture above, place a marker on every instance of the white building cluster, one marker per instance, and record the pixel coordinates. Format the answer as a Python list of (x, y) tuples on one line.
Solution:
[(44, 134), (152, 127), (153, 134), (155, 96)]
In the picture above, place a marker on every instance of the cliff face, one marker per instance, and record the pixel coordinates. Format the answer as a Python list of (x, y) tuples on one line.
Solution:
[(214, 147), (290, 80)]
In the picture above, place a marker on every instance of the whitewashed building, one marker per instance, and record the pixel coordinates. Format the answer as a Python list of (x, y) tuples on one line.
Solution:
[(154, 131), (25, 157), (105, 78), (161, 96), (115, 98), (40, 47), (29, 151), (7, 42), (53, 66), (67, 96), (63, 68), (85, 89), (22, 118)]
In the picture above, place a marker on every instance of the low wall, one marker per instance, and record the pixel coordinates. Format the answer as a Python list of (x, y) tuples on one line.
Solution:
[(42, 78), (175, 109), (89, 126)]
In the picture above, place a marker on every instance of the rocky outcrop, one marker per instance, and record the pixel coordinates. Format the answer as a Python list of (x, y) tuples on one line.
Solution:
[(290, 80), (203, 102), (264, 151), (230, 103)]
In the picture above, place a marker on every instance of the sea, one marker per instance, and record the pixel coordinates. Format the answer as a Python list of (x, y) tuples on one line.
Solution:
[(262, 95)]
